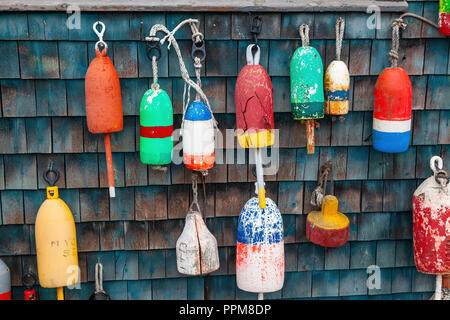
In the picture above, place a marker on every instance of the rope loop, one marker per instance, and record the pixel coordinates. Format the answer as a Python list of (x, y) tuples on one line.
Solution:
[(98, 277), (320, 191), (340, 25), (304, 34), (393, 53)]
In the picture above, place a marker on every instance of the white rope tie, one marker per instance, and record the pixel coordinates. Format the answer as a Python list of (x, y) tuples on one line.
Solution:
[(304, 34), (393, 54), (340, 25), (198, 69), (155, 84), (98, 277)]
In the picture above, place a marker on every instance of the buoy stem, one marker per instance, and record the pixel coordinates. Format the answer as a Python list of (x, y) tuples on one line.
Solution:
[(260, 296), (310, 136), (60, 293), (109, 165), (260, 178)]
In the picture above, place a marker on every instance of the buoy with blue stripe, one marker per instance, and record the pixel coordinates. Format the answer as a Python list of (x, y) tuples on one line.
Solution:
[(198, 137), (391, 128), (260, 248), (260, 241), (337, 79)]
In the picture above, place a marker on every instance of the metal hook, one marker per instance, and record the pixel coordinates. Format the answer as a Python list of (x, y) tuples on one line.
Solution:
[(99, 34), (436, 163), (51, 182), (153, 45), (255, 28), (198, 48)]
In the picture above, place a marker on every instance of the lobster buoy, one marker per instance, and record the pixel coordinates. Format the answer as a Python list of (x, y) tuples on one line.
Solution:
[(103, 100), (56, 242), (431, 222), (254, 104), (337, 88), (5, 281), (444, 17), (198, 137), (260, 248), (156, 127), (307, 97), (391, 128)]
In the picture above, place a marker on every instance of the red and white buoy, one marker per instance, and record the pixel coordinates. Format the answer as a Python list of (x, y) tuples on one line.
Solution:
[(5, 281)]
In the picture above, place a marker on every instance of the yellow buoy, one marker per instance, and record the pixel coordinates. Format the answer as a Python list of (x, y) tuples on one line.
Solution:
[(56, 242)]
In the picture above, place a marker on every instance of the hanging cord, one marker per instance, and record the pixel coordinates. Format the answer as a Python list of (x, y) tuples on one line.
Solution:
[(396, 25), (304, 34), (155, 84), (340, 25), (184, 73), (99, 277), (320, 191), (198, 69), (393, 54)]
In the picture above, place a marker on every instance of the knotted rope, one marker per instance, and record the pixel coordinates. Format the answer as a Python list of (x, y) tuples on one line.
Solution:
[(184, 73), (393, 54), (155, 84), (304, 34), (340, 25), (321, 189)]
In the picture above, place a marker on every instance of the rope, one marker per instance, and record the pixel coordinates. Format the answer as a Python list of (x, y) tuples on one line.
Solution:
[(393, 54), (195, 194), (197, 36), (321, 189), (98, 277), (155, 85), (198, 69), (304, 34), (184, 72), (340, 25), (413, 15)]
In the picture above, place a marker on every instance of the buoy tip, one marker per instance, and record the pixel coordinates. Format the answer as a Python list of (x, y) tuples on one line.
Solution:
[(112, 192)]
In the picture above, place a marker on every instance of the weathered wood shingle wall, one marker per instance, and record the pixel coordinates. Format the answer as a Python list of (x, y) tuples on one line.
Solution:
[(42, 69)]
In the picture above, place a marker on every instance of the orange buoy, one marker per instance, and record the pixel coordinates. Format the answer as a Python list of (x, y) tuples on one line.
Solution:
[(103, 100)]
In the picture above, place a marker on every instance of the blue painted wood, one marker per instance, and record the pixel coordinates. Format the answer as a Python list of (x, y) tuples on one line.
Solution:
[(352, 282), (401, 226), (414, 25), (76, 105), (14, 240), (310, 257), (349, 195), (437, 95), (280, 55), (2, 174), (170, 289), (136, 235), (325, 283), (125, 59), (444, 124), (435, 61), (373, 226), (270, 28), (337, 258), (398, 194), (117, 290), (306, 166), (20, 172), (290, 252), (38, 135), (195, 288), (112, 236), (139, 290), (324, 25), (47, 26), (348, 132), (88, 237), (292, 20), (32, 201), (13, 26), (290, 197), (431, 12), (359, 51), (404, 255), (424, 154), (338, 158), (222, 58), (85, 32), (12, 207), (51, 98), (126, 265), (38, 59), (18, 98), (9, 68), (81, 170), (72, 59), (401, 280), (107, 259), (94, 205), (291, 289), (357, 163), (362, 254), (152, 264), (354, 29), (122, 206), (422, 282)]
